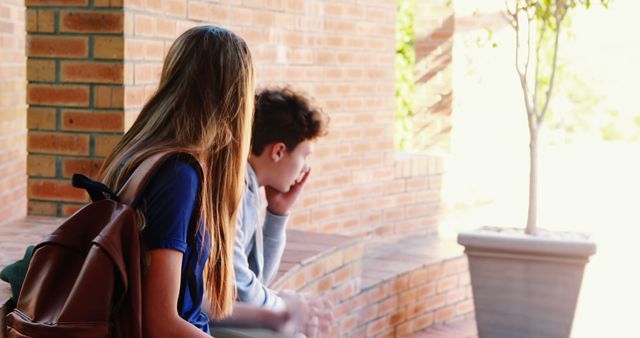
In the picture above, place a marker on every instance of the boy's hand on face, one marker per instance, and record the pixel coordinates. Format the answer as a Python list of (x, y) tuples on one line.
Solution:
[(279, 202)]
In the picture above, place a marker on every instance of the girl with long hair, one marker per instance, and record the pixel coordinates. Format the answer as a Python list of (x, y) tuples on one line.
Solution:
[(203, 108)]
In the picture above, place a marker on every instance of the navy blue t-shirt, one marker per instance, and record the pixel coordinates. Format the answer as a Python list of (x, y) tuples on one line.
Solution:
[(168, 203)]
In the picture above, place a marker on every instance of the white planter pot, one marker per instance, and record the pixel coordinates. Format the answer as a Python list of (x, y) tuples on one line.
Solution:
[(525, 286)]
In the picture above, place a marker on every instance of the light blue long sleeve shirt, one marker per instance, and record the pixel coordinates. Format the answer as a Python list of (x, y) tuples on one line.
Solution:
[(256, 268)]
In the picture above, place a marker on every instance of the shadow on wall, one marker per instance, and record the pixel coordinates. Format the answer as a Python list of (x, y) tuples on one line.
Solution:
[(433, 69)]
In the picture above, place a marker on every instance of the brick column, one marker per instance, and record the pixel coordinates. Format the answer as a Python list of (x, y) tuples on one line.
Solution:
[(75, 96), (13, 110)]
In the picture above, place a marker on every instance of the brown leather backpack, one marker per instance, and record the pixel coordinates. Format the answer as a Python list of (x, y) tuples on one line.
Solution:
[(84, 279)]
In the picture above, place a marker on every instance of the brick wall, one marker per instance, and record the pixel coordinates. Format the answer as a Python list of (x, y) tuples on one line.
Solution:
[(92, 65), (342, 55), (75, 74), (13, 110)]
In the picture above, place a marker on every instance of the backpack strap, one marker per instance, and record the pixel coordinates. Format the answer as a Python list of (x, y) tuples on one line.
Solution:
[(189, 274), (97, 190), (133, 186), (129, 193)]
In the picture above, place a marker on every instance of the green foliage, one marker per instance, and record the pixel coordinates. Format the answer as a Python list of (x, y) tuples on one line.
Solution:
[(404, 74), (549, 16), (577, 109)]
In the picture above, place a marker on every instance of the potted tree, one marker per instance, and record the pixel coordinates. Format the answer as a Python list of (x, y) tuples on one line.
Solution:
[(526, 284)]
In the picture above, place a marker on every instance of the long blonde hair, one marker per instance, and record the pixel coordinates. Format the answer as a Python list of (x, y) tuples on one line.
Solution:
[(204, 106)]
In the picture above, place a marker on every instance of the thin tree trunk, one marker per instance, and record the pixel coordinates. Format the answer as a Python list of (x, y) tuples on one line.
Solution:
[(533, 181)]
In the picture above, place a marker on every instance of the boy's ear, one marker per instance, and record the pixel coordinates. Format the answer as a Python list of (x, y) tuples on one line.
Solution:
[(277, 151)]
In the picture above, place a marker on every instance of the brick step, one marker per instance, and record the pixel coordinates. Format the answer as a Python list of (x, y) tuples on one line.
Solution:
[(319, 263), (406, 287), (465, 328), (390, 290)]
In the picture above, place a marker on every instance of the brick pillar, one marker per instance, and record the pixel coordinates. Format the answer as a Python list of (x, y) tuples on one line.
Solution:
[(75, 96), (13, 110), (434, 27)]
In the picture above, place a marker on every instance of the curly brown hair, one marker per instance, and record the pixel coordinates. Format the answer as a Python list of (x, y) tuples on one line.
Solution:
[(287, 116)]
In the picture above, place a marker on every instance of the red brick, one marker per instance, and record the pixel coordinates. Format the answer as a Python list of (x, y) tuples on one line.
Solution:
[(31, 20), (369, 313), (57, 46), (108, 96), (42, 208), (400, 284), (407, 297), (464, 307), (41, 70), (88, 71), (445, 314), (70, 209), (147, 73), (326, 283), (378, 292), (455, 296), (91, 22), (376, 326), (86, 120), (41, 118), (387, 305), (55, 190), (155, 6), (56, 3), (86, 166), (107, 47), (397, 317), (350, 289), (53, 143), (263, 18), (197, 11), (299, 280), (435, 272), (389, 333), (426, 290), (405, 329), (41, 165), (415, 309), (423, 321), (166, 28), (418, 277), (154, 50), (241, 16), (58, 95), (108, 3), (447, 283), (177, 8), (333, 261), (144, 25), (348, 324), (219, 13), (342, 275), (435, 302), (134, 96)]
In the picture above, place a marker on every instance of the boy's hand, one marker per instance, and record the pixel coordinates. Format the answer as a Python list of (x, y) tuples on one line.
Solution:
[(307, 314), (278, 202)]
